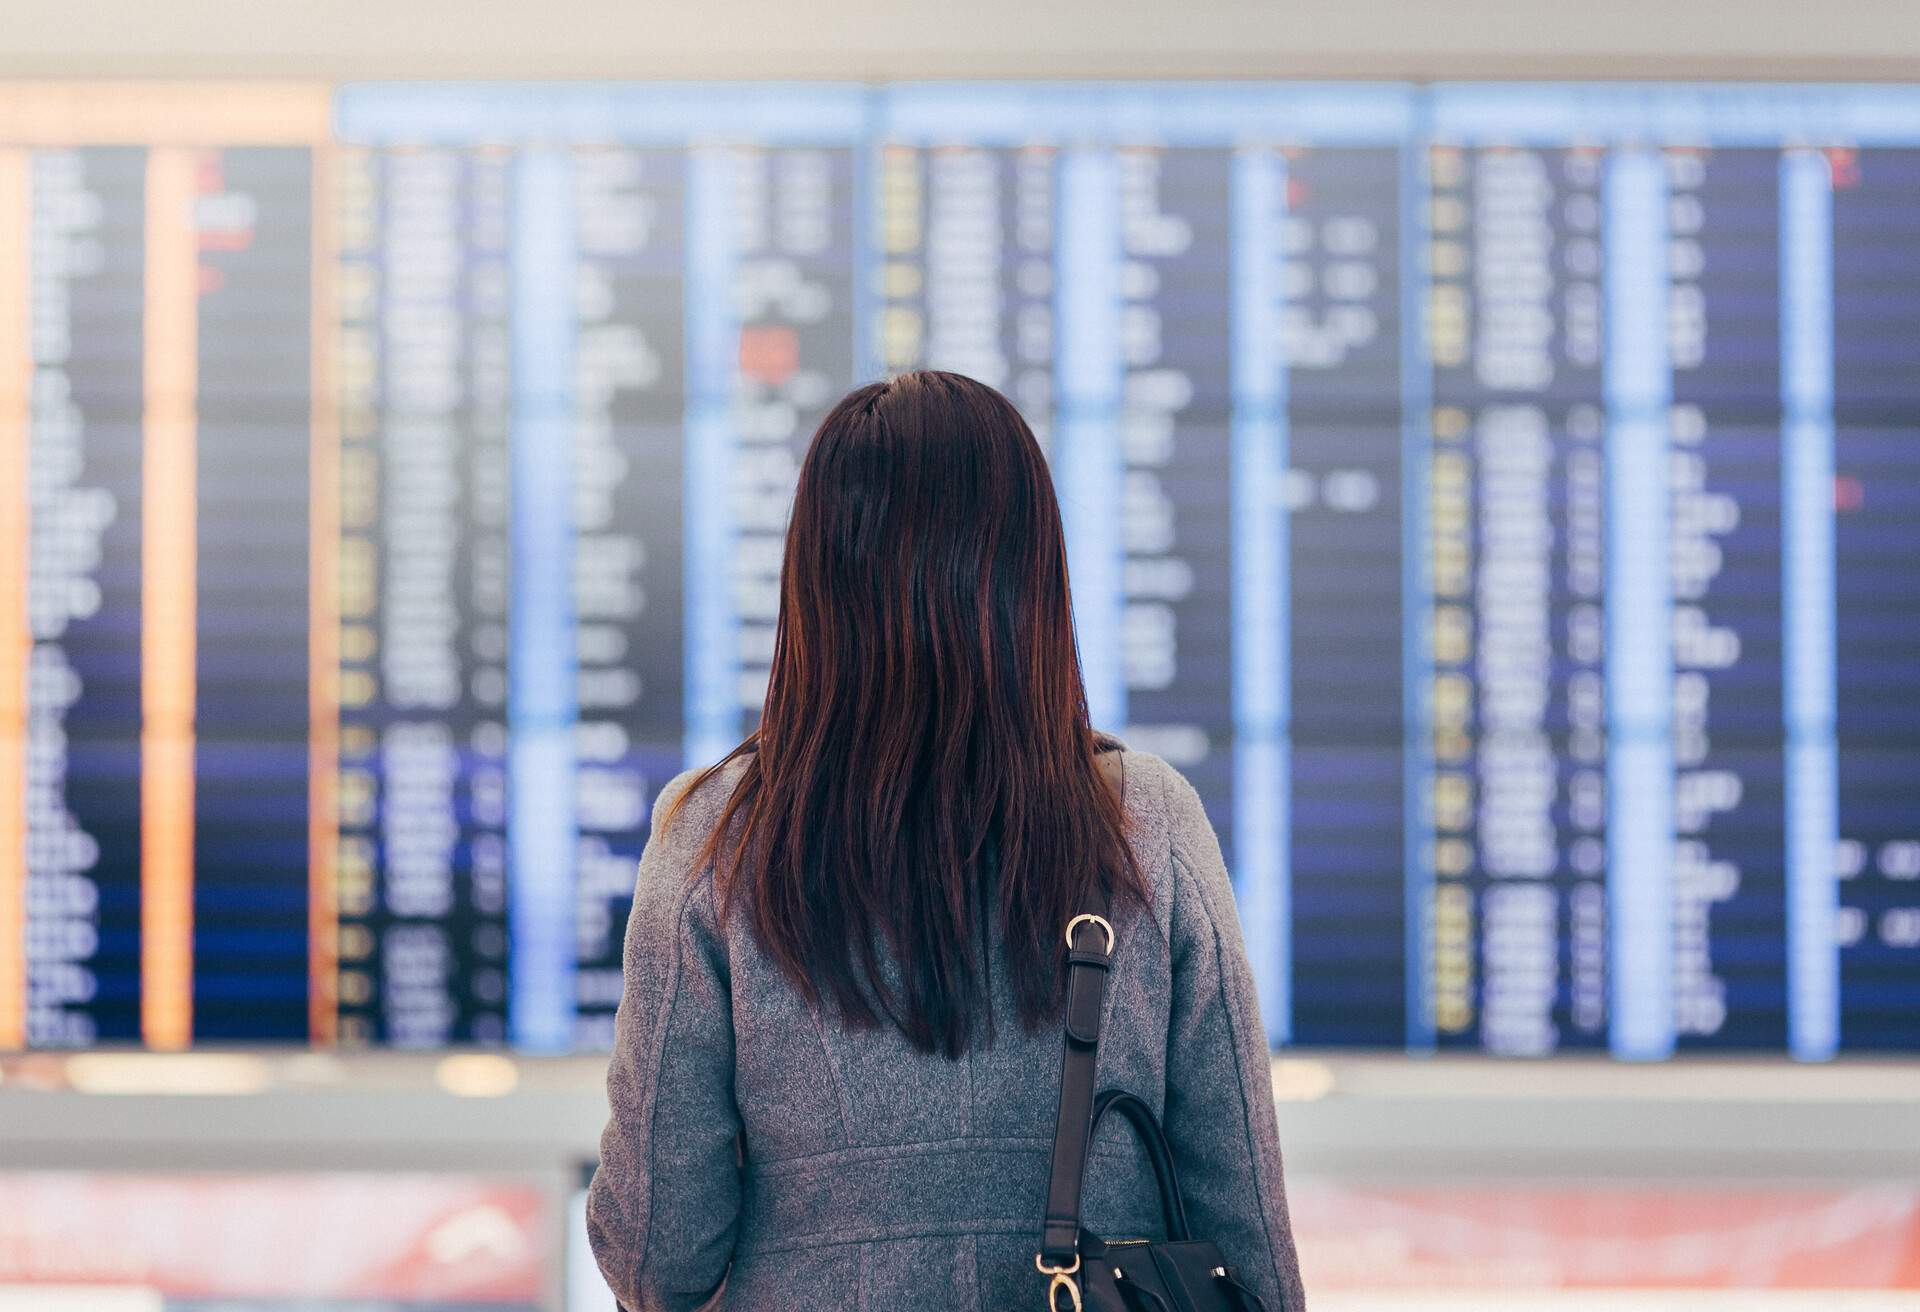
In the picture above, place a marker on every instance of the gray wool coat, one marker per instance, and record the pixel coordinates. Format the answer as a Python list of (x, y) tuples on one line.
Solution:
[(759, 1156)]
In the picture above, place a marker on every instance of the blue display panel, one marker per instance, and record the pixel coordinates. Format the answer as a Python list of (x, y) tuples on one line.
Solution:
[(251, 897), (624, 312), (83, 703), (426, 518), (1501, 501), (156, 341), (1871, 677), (1654, 863), (1197, 300)]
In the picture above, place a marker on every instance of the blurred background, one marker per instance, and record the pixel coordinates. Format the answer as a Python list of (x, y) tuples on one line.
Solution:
[(1489, 436)]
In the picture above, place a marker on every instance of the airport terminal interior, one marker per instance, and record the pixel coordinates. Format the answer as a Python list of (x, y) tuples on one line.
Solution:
[(1488, 438)]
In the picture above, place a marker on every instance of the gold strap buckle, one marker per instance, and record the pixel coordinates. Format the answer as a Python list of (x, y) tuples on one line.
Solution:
[(1087, 917), (1062, 1275)]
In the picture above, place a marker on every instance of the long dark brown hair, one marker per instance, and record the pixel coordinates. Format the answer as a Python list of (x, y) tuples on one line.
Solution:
[(924, 760)]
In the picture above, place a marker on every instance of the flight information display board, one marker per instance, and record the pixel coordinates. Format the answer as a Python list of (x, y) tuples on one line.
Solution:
[(585, 342), (1502, 501), (159, 282)]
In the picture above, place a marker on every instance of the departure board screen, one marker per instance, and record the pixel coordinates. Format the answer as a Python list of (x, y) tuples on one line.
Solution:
[(1501, 501), (157, 420)]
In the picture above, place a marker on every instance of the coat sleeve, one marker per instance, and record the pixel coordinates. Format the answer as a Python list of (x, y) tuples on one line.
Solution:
[(1220, 1115), (665, 1202)]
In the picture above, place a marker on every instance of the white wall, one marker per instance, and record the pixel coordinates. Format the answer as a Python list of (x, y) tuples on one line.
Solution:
[(877, 39)]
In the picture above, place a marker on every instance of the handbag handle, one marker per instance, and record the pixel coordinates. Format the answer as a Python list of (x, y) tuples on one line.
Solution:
[(1173, 1209)]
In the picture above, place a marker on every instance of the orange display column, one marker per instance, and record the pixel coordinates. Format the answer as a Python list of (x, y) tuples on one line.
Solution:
[(167, 597), (16, 638), (323, 636)]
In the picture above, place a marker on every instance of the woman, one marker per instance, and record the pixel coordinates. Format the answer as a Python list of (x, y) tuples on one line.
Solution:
[(837, 1062)]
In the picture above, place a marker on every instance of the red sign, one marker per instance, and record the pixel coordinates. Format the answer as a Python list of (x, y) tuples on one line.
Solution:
[(335, 1235), (1599, 1237)]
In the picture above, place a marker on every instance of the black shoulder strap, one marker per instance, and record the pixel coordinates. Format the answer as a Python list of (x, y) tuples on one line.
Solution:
[(1089, 953)]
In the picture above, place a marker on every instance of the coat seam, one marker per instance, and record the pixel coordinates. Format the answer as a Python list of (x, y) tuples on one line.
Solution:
[(976, 1227), (1255, 1166), (804, 1162), (663, 1029), (844, 1107)]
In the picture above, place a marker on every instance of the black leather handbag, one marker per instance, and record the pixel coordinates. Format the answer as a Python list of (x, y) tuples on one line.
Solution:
[(1084, 1272)]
